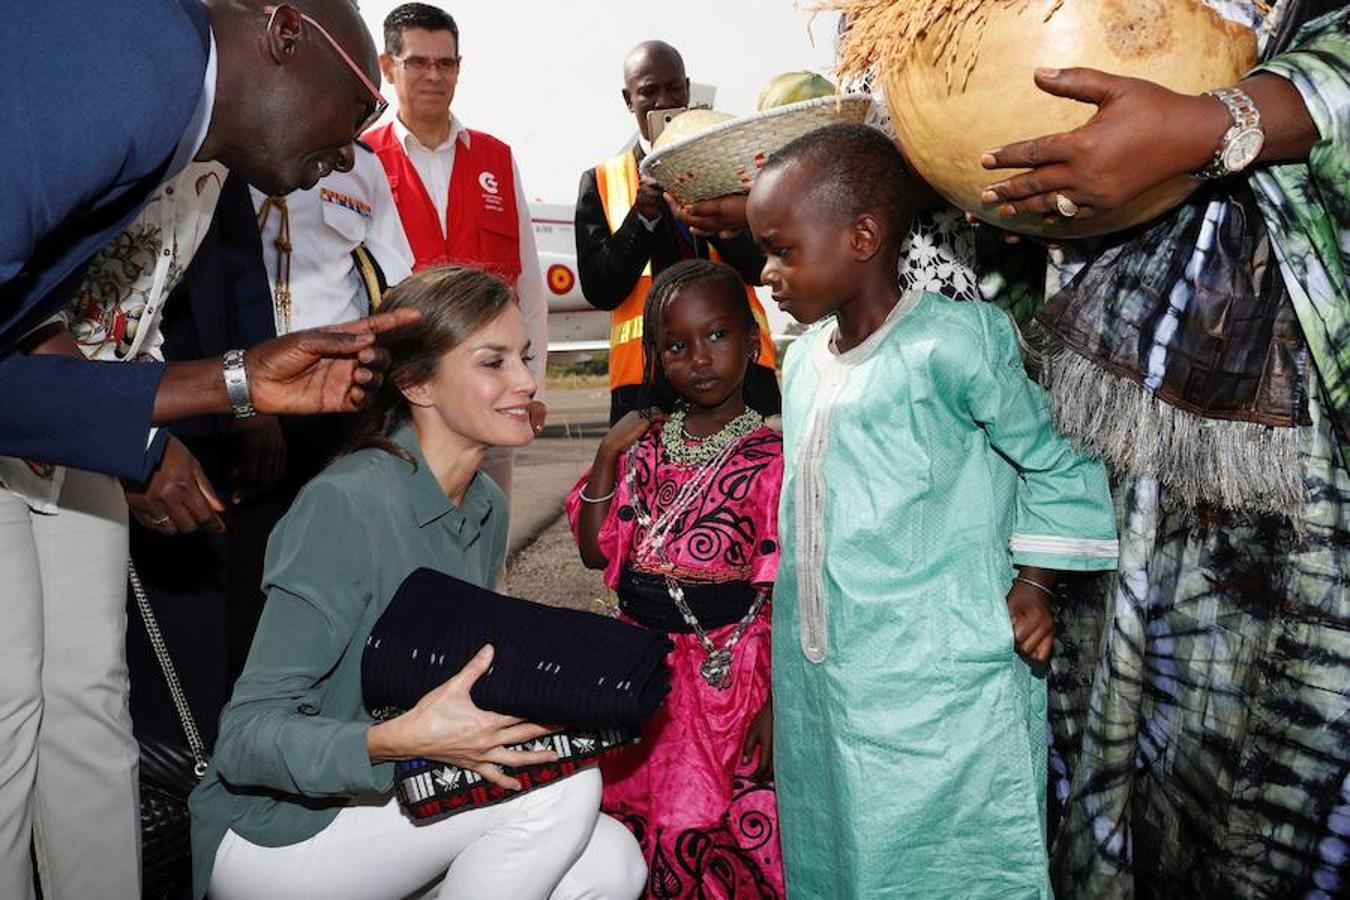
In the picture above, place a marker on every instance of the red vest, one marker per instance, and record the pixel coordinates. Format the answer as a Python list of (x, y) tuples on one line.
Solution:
[(482, 225)]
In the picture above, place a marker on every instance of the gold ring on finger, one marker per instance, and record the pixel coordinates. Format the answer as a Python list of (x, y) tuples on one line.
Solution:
[(1065, 207)]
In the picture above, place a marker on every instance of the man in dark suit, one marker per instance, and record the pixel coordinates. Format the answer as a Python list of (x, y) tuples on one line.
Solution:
[(626, 233), (145, 87), (274, 93)]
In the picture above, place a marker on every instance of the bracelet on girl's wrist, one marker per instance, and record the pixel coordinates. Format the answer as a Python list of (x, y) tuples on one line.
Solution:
[(581, 495), (1037, 585)]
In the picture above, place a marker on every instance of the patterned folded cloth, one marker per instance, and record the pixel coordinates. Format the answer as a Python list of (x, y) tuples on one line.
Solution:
[(554, 666), (427, 789)]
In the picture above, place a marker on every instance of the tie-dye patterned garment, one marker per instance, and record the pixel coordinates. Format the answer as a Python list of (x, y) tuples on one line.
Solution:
[(1200, 701)]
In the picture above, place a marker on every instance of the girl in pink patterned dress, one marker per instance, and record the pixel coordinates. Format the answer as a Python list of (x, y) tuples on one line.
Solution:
[(680, 511)]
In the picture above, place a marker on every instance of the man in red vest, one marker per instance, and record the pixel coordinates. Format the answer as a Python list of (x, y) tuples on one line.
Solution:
[(458, 191)]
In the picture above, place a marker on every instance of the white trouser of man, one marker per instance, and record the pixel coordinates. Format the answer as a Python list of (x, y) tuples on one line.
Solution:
[(552, 842), (68, 760)]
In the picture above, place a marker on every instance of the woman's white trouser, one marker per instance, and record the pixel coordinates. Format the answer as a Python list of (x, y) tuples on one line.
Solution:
[(549, 843)]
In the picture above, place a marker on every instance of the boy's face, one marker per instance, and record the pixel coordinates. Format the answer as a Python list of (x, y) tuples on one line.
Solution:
[(809, 248)]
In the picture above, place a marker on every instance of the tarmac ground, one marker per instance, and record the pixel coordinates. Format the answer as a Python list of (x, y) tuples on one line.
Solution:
[(542, 563)]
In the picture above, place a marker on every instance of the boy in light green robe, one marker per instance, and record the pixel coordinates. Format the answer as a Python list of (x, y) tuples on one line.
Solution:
[(927, 506)]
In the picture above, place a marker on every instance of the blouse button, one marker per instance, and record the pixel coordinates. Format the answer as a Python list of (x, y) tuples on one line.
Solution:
[(307, 709)]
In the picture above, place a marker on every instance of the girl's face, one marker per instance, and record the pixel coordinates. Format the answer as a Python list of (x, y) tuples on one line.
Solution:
[(482, 388), (705, 345)]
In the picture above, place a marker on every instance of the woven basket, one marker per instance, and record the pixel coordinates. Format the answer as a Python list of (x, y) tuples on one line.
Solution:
[(726, 158)]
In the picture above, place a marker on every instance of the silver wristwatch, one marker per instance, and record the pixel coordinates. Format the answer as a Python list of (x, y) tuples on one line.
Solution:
[(1241, 143), (236, 385)]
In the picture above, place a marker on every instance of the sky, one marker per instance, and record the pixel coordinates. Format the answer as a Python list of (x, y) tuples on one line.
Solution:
[(545, 75)]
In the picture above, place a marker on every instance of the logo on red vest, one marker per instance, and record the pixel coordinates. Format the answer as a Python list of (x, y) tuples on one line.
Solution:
[(492, 192)]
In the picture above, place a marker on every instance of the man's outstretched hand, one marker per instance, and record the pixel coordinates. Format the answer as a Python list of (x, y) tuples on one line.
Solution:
[(322, 370)]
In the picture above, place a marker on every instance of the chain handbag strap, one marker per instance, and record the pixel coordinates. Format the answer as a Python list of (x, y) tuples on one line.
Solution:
[(194, 737)]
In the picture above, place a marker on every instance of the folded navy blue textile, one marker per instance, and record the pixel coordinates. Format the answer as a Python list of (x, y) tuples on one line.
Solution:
[(555, 666)]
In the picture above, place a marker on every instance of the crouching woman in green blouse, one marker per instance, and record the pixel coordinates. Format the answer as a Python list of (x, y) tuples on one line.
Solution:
[(298, 801)]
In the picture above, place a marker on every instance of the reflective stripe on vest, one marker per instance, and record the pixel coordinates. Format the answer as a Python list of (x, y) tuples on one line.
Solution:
[(625, 331), (617, 182)]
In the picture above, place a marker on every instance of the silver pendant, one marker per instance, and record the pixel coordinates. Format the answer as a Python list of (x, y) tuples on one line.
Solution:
[(716, 669)]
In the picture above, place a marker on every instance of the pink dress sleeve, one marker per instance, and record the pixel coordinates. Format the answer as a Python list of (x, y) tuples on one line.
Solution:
[(764, 560), (615, 535)]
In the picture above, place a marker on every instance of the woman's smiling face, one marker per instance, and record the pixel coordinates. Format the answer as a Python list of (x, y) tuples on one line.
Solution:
[(482, 388)]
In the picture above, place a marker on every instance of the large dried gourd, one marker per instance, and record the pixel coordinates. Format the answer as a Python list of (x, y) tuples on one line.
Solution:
[(957, 76)]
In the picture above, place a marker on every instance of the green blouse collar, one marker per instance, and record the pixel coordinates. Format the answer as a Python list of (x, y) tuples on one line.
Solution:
[(430, 503)]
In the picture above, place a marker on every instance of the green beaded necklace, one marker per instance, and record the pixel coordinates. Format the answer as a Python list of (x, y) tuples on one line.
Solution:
[(684, 449)]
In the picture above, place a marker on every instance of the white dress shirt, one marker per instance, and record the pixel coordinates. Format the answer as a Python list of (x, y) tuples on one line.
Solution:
[(326, 224), (434, 167)]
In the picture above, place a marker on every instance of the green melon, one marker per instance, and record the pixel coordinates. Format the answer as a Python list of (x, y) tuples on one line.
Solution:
[(794, 87)]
